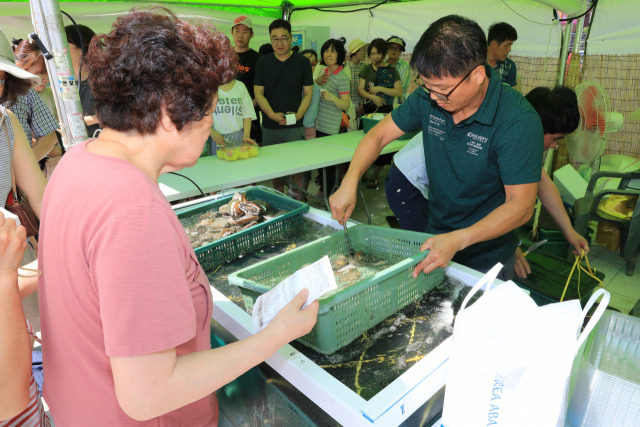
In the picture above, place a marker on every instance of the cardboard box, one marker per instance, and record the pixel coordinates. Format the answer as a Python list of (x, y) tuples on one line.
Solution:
[(608, 235)]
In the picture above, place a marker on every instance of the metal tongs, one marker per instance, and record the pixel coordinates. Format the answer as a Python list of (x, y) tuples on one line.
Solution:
[(347, 240), (535, 246)]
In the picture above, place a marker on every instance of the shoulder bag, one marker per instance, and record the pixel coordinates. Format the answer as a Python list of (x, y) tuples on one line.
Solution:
[(17, 202)]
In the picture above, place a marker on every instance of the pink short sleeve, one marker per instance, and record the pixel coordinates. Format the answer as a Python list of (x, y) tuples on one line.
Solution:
[(139, 274)]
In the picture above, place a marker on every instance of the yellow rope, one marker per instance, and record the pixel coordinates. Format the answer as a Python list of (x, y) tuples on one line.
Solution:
[(587, 270)]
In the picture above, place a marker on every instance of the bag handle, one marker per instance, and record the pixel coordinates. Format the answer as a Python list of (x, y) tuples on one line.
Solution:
[(488, 278), (606, 296)]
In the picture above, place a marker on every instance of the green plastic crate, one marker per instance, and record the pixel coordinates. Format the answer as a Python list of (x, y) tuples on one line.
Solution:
[(348, 314), (367, 124), (253, 238), (559, 248)]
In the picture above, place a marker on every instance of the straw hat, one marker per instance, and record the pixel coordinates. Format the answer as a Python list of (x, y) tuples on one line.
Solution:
[(354, 45), (8, 63)]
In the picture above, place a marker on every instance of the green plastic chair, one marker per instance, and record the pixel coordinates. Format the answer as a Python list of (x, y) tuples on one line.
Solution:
[(585, 209)]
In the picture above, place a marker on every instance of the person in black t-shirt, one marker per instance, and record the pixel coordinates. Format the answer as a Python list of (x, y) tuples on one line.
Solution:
[(242, 33), (283, 85)]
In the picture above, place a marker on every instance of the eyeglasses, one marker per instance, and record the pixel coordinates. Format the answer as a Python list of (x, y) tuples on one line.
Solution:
[(445, 97), (281, 40), (394, 48), (1, 80)]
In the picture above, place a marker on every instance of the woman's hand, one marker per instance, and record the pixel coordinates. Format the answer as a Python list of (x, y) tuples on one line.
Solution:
[(374, 90), (322, 78), (293, 321), (328, 96), (13, 242)]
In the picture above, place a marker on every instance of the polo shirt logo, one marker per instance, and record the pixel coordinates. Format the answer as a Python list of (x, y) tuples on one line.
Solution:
[(435, 123), (475, 143)]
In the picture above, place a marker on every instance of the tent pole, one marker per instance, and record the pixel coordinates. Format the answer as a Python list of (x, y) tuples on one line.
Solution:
[(287, 8), (566, 39), (47, 21), (548, 164), (577, 40)]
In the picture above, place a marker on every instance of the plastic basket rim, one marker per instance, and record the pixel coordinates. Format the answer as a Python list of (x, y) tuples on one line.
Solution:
[(301, 209), (327, 304)]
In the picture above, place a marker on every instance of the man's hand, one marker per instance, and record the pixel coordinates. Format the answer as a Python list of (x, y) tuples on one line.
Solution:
[(578, 242), (521, 266), (442, 248), (279, 118), (342, 203)]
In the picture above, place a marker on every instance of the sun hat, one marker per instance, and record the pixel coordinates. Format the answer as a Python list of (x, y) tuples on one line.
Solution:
[(8, 63), (243, 20), (397, 41), (354, 45)]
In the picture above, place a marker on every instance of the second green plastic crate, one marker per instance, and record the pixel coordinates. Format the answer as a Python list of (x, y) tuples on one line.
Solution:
[(348, 314)]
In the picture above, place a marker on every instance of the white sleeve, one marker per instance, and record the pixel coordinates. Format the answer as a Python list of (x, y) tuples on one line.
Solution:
[(248, 112)]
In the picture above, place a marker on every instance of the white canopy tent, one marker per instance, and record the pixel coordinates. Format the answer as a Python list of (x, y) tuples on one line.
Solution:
[(538, 33), (614, 31)]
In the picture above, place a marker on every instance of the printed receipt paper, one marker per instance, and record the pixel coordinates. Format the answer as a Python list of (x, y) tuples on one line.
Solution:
[(317, 277), (291, 119)]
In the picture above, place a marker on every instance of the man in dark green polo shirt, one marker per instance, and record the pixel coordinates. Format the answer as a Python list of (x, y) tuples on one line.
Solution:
[(483, 150)]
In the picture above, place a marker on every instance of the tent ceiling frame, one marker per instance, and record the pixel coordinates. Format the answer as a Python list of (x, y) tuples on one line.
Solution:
[(181, 3), (281, 6)]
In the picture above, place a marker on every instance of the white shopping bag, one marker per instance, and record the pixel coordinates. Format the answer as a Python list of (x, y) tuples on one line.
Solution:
[(511, 360)]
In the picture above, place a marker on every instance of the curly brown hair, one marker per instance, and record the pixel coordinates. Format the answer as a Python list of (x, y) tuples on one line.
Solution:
[(152, 60)]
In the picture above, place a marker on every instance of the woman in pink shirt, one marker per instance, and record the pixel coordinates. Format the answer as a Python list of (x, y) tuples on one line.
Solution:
[(125, 305)]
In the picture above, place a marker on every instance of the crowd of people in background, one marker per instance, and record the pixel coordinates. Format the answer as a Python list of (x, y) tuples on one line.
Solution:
[(275, 95)]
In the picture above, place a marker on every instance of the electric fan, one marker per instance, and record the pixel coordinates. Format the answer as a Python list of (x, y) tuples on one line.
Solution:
[(587, 143)]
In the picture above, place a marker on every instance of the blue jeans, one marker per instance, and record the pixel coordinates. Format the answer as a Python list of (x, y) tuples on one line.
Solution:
[(408, 204)]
